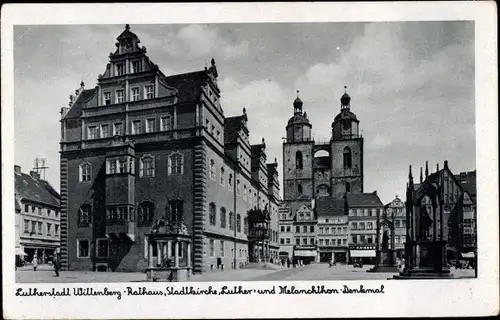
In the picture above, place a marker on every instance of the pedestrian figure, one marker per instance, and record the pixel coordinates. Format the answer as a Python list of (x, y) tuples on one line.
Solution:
[(57, 264), (35, 262), (288, 263)]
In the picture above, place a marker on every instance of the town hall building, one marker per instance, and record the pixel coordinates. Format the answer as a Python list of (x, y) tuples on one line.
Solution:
[(142, 146)]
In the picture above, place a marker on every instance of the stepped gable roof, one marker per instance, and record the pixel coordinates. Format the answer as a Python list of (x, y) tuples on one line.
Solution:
[(363, 200), (36, 190), (271, 169), (232, 125), (76, 109), (330, 207), (257, 151)]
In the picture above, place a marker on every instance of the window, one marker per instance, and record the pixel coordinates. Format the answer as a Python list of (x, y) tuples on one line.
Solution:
[(92, 132), (369, 225), (120, 69), (146, 212), (26, 226), (304, 229), (123, 164), (298, 160), (354, 226), (354, 238), (147, 166), (56, 229), (85, 216), (33, 208), (297, 241), (223, 221), (49, 229), (287, 240), (327, 242), (222, 176), (134, 94), (347, 158), (244, 192), (136, 126), (211, 249), (311, 240), (321, 230), (347, 187), (403, 223), (104, 131), (339, 230), (230, 180), (166, 123), (175, 210), (321, 241), (212, 214), (118, 129), (362, 238), (238, 192), (119, 96), (301, 216), (26, 208), (299, 189), (344, 241), (136, 66), (40, 228), (396, 239), (39, 211), (288, 229), (33, 226), (344, 229), (150, 125), (369, 239), (107, 98), (212, 169), (339, 242), (222, 253), (238, 223), (396, 223), (245, 225), (297, 229), (304, 240), (231, 221), (361, 226), (282, 228), (175, 163), (282, 240), (83, 248), (102, 248), (149, 92)]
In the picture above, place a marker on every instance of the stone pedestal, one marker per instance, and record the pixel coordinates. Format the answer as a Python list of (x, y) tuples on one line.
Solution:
[(425, 260), (386, 262), (171, 274)]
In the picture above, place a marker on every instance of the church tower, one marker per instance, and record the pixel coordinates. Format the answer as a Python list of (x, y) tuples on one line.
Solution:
[(346, 151), (298, 156)]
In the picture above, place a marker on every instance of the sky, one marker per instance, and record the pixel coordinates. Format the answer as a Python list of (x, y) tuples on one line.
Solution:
[(411, 84)]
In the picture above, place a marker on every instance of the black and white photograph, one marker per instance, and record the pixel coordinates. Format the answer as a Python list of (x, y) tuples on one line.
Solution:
[(346, 156)]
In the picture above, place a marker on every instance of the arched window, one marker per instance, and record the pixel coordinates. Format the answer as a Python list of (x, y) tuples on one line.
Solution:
[(85, 172), (223, 217), (244, 192), (147, 166), (238, 187), (146, 212), (245, 225), (85, 215), (212, 169), (347, 158), (175, 163), (230, 180), (212, 214), (299, 189), (222, 176), (347, 187), (175, 211), (298, 160), (231, 221), (238, 223)]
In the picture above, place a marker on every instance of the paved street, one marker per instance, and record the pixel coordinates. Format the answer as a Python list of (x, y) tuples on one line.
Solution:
[(312, 272)]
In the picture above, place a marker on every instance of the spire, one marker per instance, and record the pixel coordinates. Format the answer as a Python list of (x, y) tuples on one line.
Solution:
[(213, 68), (421, 177), (437, 167), (297, 104), (426, 169), (345, 100), (410, 176)]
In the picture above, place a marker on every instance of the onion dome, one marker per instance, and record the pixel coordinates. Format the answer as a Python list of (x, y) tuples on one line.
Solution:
[(298, 119)]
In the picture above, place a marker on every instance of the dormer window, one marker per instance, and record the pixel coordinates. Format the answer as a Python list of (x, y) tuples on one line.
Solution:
[(136, 66), (107, 98), (149, 92), (120, 69)]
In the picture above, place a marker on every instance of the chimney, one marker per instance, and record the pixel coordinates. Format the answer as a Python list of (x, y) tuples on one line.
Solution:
[(34, 175), (17, 169), (446, 164)]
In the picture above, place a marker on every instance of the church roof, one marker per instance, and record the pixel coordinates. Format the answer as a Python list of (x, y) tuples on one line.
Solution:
[(346, 114), (298, 119), (363, 200), (468, 181), (36, 190), (330, 206), (76, 109)]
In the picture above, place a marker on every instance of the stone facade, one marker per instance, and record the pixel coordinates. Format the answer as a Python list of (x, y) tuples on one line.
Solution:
[(142, 145), (395, 212)]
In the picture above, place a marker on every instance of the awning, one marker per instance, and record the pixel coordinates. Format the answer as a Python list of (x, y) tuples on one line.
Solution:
[(363, 253), (305, 253), (468, 255), (20, 252)]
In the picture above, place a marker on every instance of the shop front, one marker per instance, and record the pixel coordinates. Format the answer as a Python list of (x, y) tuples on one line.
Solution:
[(364, 254), (305, 254)]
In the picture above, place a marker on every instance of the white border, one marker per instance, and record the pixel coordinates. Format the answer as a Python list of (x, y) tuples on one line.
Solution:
[(416, 298)]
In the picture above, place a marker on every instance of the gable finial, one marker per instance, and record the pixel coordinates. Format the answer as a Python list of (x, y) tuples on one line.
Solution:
[(127, 27), (345, 89)]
